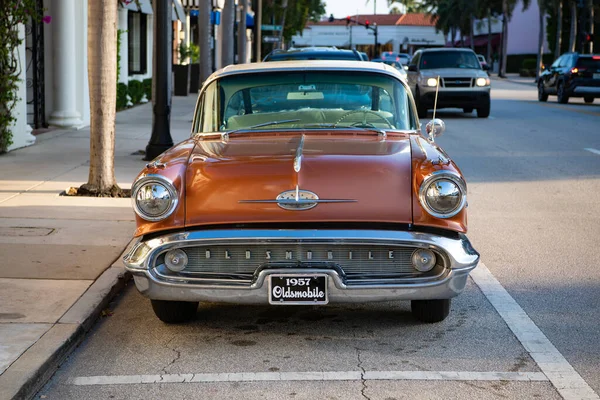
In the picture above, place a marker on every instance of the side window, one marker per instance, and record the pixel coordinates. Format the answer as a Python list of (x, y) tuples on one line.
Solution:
[(416, 58), (196, 124), (210, 109)]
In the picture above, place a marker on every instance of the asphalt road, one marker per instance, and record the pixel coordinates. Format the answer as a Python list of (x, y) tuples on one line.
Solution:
[(534, 174)]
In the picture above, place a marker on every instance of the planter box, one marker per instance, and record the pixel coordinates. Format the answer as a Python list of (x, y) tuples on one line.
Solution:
[(182, 80)]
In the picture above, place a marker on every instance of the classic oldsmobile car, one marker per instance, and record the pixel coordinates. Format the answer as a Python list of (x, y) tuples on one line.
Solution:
[(303, 183)]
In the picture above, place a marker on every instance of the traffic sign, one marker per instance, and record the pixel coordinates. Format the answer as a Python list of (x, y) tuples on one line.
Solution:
[(270, 27), (271, 39)]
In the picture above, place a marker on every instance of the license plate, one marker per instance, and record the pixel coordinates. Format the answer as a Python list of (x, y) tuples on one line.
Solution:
[(596, 76), (298, 289)]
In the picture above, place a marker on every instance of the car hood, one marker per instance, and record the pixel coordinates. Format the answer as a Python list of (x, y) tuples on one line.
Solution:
[(373, 172), (453, 72)]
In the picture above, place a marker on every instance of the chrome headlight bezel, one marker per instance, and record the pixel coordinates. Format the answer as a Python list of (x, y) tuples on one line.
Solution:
[(448, 176), (157, 180)]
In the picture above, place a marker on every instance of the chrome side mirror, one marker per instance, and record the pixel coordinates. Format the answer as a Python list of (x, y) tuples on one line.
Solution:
[(434, 128)]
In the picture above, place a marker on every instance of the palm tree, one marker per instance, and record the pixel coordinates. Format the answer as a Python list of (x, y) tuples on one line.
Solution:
[(508, 6), (573, 30), (542, 4), (590, 8), (559, 5), (102, 75)]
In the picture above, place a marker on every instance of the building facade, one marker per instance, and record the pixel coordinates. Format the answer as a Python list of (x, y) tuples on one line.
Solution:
[(399, 33), (55, 90)]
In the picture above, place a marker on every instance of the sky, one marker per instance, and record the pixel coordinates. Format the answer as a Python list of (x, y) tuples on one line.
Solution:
[(343, 8)]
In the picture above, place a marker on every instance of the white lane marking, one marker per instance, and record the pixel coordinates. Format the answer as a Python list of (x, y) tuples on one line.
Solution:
[(561, 374), (593, 151), (309, 376)]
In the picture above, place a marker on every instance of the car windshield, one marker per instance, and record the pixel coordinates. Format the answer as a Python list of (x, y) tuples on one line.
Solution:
[(325, 55), (305, 100), (449, 59)]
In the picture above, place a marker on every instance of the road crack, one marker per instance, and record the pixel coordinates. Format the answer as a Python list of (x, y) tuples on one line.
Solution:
[(362, 375), (174, 360)]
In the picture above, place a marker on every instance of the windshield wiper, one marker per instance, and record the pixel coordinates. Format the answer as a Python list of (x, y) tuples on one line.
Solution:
[(379, 131), (283, 121)]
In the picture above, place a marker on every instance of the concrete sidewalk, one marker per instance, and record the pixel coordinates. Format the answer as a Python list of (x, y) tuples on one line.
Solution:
[(515, 78), (61, 255)]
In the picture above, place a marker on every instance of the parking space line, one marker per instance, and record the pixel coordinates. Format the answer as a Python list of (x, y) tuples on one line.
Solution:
[(568, 383), (309, 376), (593, 150)]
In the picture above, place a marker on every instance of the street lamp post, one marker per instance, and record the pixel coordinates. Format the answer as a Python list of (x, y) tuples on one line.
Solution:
[(161, 140)]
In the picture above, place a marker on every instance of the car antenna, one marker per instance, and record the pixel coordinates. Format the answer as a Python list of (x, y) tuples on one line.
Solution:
[(437, 89)]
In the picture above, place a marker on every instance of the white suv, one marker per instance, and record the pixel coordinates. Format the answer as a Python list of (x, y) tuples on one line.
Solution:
[(463, 82)]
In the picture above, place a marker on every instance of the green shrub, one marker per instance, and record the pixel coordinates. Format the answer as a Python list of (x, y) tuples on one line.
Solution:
[(529, 63), (122, 91), (136, 91), (147, 85)]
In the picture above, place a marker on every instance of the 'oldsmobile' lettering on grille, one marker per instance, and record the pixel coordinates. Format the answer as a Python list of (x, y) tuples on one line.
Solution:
[(291, 255), (287, 293)]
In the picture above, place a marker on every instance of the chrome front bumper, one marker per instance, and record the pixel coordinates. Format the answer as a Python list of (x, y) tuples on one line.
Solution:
[(460, 256)]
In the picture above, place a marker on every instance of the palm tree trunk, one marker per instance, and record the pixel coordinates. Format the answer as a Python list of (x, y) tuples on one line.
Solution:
[(102, 76), (284, 5), (502, 72), (573, 33), (591, 24), (227, 27), (489, 41), (542, 11), (204, 40), (559, 17), (472, 23), (242, 32)]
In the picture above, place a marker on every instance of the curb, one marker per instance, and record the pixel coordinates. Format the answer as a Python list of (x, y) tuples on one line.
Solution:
[(30, 372)]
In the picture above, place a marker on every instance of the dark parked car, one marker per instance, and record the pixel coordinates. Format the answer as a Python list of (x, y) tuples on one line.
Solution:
[(314, 53), (571, 75)]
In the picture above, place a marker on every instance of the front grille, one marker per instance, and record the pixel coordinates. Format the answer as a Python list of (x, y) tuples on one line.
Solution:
[(355, 262), (457, 82)]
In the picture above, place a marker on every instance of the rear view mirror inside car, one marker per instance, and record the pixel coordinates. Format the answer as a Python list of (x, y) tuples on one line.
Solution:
[(305, 96)]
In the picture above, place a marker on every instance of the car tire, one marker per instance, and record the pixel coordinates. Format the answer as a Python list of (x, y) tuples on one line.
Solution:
[(588, 100), (421, 111), (561, 93), (430, 310), (542, 95), (484, 110), (468, 110), (174, 312)]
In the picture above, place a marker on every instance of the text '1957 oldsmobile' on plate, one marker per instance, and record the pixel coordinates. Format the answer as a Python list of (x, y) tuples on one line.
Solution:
[(302, 183)]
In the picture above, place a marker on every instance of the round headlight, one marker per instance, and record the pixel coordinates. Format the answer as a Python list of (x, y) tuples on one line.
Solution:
[(176, 260), (432, 82), (482, 81), (154, 198), (443, 195), (423, 260)]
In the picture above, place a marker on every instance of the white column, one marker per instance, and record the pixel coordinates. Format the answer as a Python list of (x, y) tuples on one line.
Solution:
[(65, 112), (20, 130), (124, 49)]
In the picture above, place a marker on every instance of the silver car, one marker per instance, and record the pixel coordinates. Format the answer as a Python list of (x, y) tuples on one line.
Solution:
[(462, 81)]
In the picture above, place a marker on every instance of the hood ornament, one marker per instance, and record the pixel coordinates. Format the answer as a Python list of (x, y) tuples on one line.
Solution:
[(298, 158), (298, 200)]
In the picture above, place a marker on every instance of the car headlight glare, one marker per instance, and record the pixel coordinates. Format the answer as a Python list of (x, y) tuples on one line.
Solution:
[(423, 260), (432, 82), (482, 82), (154, 198), (443, 195)]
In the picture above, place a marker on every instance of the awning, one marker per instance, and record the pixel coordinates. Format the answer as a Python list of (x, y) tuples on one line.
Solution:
[(145, 7), (142, 6), (178, 10)]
